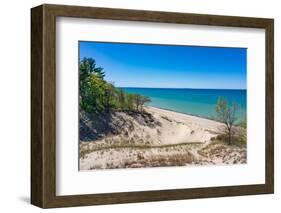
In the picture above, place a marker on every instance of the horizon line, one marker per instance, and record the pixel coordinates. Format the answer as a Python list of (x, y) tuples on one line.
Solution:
[(179, 88)]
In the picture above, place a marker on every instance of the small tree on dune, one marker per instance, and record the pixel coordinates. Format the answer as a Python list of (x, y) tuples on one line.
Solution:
[(143, 100), (122, 99), (129, 104), (227, 115), (137, 100)]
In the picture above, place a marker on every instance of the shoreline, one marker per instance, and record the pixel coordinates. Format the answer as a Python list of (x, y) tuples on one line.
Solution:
[(182, 113), (185, 118), (158, 138)]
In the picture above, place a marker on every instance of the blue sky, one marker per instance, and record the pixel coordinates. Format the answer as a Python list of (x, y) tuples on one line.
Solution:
[(169, 66)]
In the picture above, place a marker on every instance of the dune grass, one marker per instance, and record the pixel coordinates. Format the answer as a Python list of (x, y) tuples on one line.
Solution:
[(135, 146)]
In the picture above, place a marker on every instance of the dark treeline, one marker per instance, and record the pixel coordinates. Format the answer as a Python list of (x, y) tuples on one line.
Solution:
[(97, 95)]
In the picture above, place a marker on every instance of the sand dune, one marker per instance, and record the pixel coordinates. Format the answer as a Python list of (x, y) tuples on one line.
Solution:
[(179, 127), (158, 138)]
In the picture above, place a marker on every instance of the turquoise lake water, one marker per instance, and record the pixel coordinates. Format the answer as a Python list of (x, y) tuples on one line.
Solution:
[(200, 102)]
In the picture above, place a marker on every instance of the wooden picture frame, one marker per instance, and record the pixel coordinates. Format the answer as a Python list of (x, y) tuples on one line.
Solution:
[(43, 105)]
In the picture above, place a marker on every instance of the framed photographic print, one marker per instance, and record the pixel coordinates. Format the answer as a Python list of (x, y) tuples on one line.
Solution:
[(137, 106)]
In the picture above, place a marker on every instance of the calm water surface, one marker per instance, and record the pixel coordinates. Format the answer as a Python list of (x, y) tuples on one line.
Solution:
[(200, 102)]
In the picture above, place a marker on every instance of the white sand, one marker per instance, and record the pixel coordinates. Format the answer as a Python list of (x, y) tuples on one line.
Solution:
[(180, 128), (174, 129)]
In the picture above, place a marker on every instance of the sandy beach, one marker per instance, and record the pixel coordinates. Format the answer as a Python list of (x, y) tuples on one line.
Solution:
[(180, 128), (159, 138)]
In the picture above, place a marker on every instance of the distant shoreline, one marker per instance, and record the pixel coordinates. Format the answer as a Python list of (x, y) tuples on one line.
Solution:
[(189, 114), (180, 113)]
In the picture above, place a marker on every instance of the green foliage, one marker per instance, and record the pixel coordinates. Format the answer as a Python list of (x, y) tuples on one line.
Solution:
[(91, 85), (130, 102), (227, 115), (243, 123), (143, 100), (97, 95)]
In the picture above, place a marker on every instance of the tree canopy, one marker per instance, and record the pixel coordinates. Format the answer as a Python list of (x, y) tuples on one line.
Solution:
[(96, 94)]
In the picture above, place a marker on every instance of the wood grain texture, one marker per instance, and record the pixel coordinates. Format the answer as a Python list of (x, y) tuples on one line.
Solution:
[(43, 105), (269, 106), (36, 106)]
